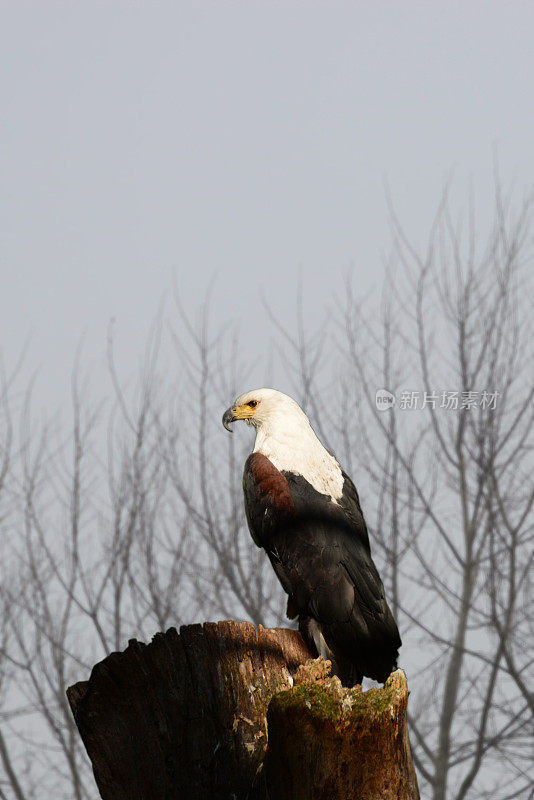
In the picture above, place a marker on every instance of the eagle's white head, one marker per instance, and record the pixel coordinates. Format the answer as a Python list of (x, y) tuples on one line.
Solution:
[(285, 436), (267, 409)]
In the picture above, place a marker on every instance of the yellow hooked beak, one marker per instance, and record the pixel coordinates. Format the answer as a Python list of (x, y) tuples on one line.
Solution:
[(234, 413)]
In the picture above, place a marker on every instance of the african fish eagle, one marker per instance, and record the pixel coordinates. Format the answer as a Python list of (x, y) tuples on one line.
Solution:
[(304, 510)]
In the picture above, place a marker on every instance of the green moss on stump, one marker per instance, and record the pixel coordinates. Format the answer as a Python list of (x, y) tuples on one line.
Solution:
[(318, 699), (327, 700)]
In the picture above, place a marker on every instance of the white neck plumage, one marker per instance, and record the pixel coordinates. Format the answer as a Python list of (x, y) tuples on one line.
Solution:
[(291, 445)]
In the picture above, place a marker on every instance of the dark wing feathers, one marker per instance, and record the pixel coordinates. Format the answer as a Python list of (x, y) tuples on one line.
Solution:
[(350, 503), (320, 552)]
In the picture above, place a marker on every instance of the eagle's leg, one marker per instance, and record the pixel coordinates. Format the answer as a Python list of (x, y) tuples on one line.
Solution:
[(310, 631)]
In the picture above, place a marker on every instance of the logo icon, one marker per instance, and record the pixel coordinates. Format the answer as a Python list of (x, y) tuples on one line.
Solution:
[(384, 399)]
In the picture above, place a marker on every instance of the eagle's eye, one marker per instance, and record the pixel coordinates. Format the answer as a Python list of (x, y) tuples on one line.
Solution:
[(252, 403)]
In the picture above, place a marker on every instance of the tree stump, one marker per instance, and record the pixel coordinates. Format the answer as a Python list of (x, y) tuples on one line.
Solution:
[(223, 711)]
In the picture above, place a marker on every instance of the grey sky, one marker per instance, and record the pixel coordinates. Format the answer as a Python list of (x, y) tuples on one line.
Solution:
[(236, 140)]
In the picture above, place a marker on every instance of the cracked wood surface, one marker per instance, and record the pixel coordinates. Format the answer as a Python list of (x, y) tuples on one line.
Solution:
[(187, 717)]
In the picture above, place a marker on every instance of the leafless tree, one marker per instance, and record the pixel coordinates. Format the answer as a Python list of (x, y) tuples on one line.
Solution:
[(97, 548), (125, 523), (128, 518), (453, 490)]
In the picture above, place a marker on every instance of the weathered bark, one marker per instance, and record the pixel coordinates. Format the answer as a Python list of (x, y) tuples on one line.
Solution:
[(187, 717), (329, 742)]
